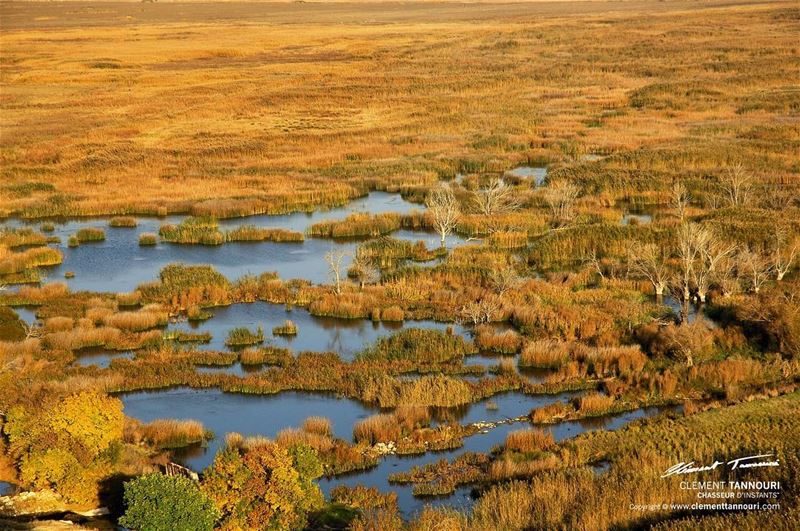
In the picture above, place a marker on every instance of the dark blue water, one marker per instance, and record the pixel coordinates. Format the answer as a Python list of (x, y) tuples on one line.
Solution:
[(318, 334), (120, 264)]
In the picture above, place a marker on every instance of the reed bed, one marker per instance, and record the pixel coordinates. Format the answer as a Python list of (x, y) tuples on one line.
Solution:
[(21, 237), (205, 231), (170, 433), (148, 239), (357, 225), (12, 263), (89, 234), (288, 328), (242, 336), (123, 222), (417, 345)]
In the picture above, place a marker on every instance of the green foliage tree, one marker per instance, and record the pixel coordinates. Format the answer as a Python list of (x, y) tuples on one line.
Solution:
[(156, 502), (264, 486)]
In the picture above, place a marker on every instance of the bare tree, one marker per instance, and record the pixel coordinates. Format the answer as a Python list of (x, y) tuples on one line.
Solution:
[(649, 261), (592, 259), (785, 249), (754, 268), (497, 198), (561, 197), (444, 208), (736, 185), (777, 197), (701, 254), (334, 259), (679, 199), (505, 279), (472, 312), (688, 239), (712, 251), (364, 270), (728, 276)]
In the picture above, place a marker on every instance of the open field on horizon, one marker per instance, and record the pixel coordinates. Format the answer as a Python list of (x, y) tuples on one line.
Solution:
[(142, 114), (423, 266)]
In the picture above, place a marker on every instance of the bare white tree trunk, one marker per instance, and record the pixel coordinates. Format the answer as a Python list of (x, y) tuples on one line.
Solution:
[(560, 198), (497, 198), (334, 259), (444, 207), (736, 186)]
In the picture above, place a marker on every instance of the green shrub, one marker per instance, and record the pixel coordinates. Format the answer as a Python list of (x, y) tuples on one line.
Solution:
[(156, 502)]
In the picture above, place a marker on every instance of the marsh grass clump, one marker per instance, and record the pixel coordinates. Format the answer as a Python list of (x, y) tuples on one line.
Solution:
[(546, 354), (186, 286), (319, 425), (251, 233), (148, 238), (242, 336), (194, 230), (182, 336), (90, 234), (122, 222), (594, 404), (507, 342), (205, 231), (288, 328), (265, 356), (27, 260), (357, 225), (21, 237), (169, 433), (391, 427), (137, 321), (392, 314), (417, 345), (529, 440)]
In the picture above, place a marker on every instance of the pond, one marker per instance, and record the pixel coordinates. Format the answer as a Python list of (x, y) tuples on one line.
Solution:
[(536, 173), (99, 356), (636, 219), (27, 314), (481, 442), (268, 414), (317, 334), (246, 414), (120, 264)]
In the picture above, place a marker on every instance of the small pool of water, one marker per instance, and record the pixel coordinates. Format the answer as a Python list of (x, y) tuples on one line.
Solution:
[(27, 314), (537, 174), (637, 219), (317, 334), (7, 489), (100, 357)]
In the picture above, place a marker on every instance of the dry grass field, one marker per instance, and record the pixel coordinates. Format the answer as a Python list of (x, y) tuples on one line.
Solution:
[(620, 186), (128, 107)]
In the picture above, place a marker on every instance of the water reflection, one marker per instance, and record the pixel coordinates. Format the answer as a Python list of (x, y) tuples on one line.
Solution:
[(317, 334), (119, 263)]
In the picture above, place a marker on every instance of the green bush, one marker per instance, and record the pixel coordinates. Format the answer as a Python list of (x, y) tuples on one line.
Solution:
[(156, 502)]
